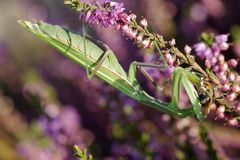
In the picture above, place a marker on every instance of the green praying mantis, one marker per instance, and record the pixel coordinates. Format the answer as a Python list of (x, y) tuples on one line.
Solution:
[(104, 64)]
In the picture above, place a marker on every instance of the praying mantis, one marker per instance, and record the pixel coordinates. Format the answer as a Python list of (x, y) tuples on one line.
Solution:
[(104, 64)]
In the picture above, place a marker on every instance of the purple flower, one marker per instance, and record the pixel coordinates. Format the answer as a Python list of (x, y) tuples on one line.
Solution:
[(200, 47), (222, 38), (64, 127), (108, 14)]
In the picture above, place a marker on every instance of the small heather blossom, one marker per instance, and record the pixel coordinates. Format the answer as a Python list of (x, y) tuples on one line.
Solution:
[(111, 14), (144, 22), (107, 14)]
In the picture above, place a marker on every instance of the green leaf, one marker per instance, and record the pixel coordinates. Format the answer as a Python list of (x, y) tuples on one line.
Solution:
[(207, 38)]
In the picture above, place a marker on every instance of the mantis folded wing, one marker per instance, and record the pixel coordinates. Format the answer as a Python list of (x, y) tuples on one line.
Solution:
[(71, 45)]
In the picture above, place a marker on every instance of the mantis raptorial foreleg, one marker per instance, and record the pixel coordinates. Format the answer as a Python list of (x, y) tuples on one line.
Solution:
[(187, 79)]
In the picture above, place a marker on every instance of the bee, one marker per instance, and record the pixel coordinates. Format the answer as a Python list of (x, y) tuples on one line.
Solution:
[(205, 94)]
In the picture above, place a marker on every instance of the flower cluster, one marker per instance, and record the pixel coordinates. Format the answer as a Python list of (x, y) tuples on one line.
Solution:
[(107, 14), (111, 14), (31, 150), (64, 127), (225, 70)]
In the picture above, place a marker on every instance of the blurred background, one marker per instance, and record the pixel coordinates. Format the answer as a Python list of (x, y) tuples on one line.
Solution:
[(47, 104)]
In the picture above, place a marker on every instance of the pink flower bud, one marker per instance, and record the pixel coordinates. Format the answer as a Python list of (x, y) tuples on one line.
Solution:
[(139, 38), (216, 53), (216, 68), (170, 61), (221, 58), (233, 122), (237, 107), (112, 4), (125, 28), (172, 42), (238, 78), (221, 109), (187, 49), (231, 77), (168, 56), (146, 43), (133, 34), (220, 112), (128, 32), (233, 63), (231, 96), (224, 46), (213, 60), (223, 79), (144, 22), (220, 74), (224, 67), (133, 17), (225, 87), (166, 118), (208, 63), (128, 18), (235, 88)]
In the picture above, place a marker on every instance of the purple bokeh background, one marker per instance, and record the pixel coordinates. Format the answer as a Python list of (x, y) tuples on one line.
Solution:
[(47, 104)]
